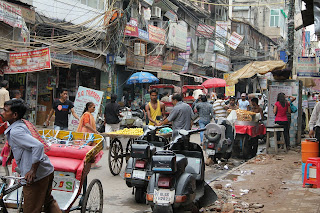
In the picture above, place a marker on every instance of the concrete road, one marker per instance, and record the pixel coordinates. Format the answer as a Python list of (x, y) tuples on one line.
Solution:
[(117, 196)]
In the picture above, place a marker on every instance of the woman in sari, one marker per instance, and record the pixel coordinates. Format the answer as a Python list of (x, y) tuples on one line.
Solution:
[(87, 124)]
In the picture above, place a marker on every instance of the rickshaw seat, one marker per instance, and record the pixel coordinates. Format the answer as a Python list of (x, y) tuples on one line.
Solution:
[(67, 165)]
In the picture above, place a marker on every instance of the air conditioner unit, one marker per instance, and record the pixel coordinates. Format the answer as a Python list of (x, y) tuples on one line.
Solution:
[(156, 12), (158, 50)]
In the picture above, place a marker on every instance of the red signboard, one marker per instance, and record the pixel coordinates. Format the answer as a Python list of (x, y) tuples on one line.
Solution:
[(132, 28), (157, 34), (29, 61)]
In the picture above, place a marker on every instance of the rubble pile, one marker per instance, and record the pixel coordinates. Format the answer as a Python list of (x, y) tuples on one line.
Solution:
[(261, 159)]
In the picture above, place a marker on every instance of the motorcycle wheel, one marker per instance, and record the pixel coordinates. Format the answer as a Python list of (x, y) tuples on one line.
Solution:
[(140, 195)]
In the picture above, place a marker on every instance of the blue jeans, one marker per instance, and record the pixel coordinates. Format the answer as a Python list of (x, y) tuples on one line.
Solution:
[(202, 124), (60, 128)]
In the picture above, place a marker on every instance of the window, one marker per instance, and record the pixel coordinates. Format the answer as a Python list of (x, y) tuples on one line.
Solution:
[(97, 4), (276, 18)]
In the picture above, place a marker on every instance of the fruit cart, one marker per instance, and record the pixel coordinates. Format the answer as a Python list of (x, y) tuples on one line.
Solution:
[(116, 152), (72, 158)]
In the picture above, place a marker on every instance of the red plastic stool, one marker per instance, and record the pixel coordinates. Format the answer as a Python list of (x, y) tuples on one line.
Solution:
[(314, 161)]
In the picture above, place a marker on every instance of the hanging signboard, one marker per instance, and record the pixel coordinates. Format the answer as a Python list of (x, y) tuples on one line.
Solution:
[(186, 55), (132, 28), (171, 15), (157, 34), (234, 40), (143, 35), (204, 30), (177, 36), (306, 67), (230, 90), (29, 61), (221, 29), (317, 58), (222, 63), (85, 95), (11, 15)]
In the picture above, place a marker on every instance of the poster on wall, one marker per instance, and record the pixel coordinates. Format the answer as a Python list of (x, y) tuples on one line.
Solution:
[(132, 28), (274, 90), (222, 29), (29, 61), (85, 95)]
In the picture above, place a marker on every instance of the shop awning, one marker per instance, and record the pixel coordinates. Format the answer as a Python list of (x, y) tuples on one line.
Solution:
[(256, 67), (168, 75), (59, 63)]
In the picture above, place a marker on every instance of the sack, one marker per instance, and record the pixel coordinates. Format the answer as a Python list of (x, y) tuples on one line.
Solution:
[(293, 108)]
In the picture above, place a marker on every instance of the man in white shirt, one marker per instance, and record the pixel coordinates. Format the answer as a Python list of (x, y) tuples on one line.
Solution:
[(4, 94)]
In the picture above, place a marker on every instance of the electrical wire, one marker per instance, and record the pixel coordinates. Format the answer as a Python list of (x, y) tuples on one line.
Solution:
[(237, 5)]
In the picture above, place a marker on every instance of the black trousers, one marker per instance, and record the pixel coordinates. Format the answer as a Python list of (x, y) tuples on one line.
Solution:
[(285, 125), (317, 134)]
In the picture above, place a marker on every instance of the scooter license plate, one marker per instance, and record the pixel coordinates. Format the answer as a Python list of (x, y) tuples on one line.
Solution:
[(163, 196), (139, 174), (211, 152)]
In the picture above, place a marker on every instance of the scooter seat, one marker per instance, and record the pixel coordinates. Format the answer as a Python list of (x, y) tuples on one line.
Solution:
[(182, 162)]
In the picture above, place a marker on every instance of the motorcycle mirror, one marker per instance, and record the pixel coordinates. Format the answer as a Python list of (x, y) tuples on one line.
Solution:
[(183, 132)]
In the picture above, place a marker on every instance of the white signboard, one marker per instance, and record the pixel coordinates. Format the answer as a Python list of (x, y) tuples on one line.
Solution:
[(222, 29), (234, 40), (177, 35), (85, 95)]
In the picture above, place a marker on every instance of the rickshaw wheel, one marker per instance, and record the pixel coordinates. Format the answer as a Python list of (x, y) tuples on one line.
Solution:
[(93, 198), (115, 157)]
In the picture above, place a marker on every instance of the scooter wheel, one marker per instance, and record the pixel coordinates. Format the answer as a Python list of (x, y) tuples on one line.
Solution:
[(140, 195)]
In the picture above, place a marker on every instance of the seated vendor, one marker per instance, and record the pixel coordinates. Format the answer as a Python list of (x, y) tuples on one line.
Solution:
[(256, 108), (232, 104)]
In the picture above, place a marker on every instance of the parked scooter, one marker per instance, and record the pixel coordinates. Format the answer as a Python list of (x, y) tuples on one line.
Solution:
[(219, 139), (138, 170), (178, 179), (131, 118)]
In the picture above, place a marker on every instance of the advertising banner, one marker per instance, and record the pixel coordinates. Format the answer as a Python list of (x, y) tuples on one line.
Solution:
[(132, 28), (177, 36), (29, 61), (307, 68), (11, 15), (157, 34), (222, 63), (85, 95), (221, 29), (143, 35), (186, 55), (230, 90), (204, 30), (234, 40)]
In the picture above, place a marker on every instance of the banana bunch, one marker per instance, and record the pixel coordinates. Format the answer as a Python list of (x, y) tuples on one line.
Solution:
[(128, 131)]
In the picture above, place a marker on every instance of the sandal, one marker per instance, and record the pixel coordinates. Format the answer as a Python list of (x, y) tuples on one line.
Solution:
[(96, 167)]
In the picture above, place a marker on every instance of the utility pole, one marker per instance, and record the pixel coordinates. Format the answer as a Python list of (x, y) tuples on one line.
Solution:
[(291, 34)]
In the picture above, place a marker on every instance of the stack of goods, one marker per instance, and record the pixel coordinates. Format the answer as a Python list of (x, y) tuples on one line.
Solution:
[(165, 130), (128, 131), (244, 115)]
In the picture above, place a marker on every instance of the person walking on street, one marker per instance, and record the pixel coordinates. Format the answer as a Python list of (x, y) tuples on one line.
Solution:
[(155, 109), (61, 107), (4, 94), (243, 103), (220, 107), (16, 94), (205, 111), (280, 109), (111, 116), (165, 97), (35, 166), (232, 104), (314, 123), (180, 116), (88, 124)]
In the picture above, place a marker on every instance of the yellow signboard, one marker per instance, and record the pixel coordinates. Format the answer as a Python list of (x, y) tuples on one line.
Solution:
[(230, 90)]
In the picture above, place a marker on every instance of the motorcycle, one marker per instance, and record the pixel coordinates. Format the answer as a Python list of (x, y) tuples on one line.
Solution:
[(219, 139), (177, 182), (131, 118), (138, 170)]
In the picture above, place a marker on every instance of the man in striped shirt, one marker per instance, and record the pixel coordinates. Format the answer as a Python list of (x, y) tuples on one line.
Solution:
[(220, 107)]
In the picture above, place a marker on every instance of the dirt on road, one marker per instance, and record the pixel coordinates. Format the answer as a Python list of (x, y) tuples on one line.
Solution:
[(260, 185)]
